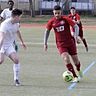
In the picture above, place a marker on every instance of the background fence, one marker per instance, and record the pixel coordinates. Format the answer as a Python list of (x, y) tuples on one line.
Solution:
[(40, 6)]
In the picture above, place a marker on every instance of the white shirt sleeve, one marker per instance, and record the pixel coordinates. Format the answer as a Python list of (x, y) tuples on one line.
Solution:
[(6, 13), (3, 28), (18, 28), (3, 14)]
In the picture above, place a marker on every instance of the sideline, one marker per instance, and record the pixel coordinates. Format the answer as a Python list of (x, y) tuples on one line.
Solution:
[(43, 25), (84, 72)]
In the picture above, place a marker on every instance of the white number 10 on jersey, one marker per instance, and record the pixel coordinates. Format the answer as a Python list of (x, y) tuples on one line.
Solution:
[(59, 29)]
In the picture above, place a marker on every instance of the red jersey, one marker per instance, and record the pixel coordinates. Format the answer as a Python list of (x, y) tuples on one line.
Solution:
[(62, 30), (77, 17), (74, 17)]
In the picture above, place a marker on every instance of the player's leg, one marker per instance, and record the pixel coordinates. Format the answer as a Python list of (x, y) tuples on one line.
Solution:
[(85, 43), (2, 54), (69, 66), (77, 64), (1, 57), (67, 62), (16, 67), (82, 38), (73, 52)]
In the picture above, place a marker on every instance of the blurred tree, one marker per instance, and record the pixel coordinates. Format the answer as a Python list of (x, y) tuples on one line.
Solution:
[(32, 9), (66, 6), (58, 2)]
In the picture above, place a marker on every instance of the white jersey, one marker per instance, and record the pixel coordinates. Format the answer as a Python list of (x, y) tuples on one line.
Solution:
[(10, 31), (6, 13)]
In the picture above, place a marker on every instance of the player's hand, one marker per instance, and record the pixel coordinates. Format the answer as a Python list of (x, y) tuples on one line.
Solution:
[(78, 40), (45, 47), (74, 21), (24, 46)]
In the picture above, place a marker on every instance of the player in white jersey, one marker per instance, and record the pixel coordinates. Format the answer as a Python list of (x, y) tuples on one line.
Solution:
[(6, 13), (8, 30)]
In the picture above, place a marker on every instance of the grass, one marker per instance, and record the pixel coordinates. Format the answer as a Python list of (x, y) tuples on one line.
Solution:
[(41, 72), (42, 19)]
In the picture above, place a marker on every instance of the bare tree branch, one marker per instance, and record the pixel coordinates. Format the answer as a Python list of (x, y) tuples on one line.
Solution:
[(32, 9)]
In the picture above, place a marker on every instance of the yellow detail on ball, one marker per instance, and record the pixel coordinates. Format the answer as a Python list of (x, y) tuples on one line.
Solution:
[(67, 76)]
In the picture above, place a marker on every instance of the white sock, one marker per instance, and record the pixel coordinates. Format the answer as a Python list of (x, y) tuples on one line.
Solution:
[(16, 69)]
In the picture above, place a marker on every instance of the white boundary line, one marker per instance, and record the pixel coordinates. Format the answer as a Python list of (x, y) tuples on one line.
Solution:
[(84, 72), (39, 43)]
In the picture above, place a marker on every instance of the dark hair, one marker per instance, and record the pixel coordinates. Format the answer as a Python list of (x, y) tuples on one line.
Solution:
[(10, 1), (16, 12), (72, 8), (57, 7)]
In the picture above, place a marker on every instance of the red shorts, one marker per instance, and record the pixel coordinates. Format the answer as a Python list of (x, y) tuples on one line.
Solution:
[(70, 49)]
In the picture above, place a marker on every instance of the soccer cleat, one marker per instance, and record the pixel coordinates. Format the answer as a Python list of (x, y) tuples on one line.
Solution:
[(75, 80), (80, 74), (17, 83)]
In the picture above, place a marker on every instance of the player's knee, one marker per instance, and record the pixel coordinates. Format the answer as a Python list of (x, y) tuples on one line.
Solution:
[(16, 61), (76, 61), (66, 59)]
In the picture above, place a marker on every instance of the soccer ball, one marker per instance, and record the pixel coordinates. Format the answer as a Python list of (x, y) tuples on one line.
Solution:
[(67, 76)]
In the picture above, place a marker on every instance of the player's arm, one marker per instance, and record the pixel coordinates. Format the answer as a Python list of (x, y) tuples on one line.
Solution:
[(21, 39), (2, 34), (46, 36), (2, 15), (76, 33), (76, 28), (77, 22), (78, 19), (1, 18)]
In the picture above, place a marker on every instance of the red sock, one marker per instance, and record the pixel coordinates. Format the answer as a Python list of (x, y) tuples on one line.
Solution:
[(71, 69), (78, 66)]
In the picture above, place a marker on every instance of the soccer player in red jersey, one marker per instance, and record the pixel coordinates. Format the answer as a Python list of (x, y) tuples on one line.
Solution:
[(76, 18), (64, 40)]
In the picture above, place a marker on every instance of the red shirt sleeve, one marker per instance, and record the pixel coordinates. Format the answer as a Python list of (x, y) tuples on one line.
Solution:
[(49, 24), (70, 21)]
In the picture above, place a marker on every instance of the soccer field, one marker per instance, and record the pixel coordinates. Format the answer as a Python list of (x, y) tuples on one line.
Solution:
[(41, 72)]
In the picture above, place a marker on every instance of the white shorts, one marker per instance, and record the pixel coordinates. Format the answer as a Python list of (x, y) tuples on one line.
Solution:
[(7, 50)]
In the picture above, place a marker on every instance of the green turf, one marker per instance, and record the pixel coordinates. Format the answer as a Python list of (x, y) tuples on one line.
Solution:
[(41, 72), (42, 19)]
